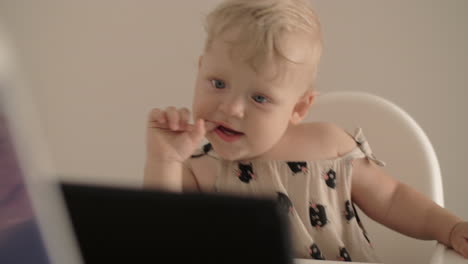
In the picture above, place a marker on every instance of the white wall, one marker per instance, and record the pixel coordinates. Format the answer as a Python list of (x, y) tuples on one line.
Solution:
[(97, 67)]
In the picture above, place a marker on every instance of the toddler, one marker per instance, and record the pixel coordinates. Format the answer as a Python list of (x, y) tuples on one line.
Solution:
[(255, 84)]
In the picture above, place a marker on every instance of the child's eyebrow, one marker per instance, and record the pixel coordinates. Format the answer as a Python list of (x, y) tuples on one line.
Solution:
[(215, 72)]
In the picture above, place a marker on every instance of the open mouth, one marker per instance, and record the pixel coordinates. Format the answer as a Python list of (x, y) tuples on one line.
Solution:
[(229, 131), (228, 134)]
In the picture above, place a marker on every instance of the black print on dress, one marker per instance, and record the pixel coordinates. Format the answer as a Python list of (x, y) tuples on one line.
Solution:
[(330, 178), (315, 252), (245, 172), (361, 225), (284, 203), (344, 255), (297, 167), (349, 212), (365, 235), (318, 217), (206, 148)]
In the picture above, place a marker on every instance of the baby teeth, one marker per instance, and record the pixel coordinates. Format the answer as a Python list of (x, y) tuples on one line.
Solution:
[(229, 133), (226, 131)]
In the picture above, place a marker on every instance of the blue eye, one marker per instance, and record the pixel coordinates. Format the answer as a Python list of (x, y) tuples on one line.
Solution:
[(218, 84), (260, 99)]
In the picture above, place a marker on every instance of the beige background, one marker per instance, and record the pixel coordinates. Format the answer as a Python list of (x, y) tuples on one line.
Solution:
[(98, 67)]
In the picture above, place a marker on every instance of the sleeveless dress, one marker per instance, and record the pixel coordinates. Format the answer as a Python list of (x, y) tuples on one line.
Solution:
[(315, 195)]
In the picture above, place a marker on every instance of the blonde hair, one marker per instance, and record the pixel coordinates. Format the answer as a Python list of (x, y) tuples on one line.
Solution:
[(262, 25)]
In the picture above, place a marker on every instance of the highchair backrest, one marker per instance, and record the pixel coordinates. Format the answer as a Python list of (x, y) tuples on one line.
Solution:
[(398, 140)]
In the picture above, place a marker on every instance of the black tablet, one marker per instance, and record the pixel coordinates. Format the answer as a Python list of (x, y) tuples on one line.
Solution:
[(146, 226)]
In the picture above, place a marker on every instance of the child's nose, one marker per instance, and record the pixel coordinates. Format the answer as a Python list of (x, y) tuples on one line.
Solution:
[(233, 107)]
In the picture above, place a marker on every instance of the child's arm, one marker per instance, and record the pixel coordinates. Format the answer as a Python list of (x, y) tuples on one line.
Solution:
[(170, 176), (170, 142), (403, 209), (399, 206)]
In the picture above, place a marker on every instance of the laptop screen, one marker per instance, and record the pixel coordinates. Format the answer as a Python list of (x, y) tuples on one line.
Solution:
[(20, 239), (34, 225)]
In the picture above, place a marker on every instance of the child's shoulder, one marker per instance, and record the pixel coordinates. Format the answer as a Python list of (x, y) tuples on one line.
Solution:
[(319, 141)]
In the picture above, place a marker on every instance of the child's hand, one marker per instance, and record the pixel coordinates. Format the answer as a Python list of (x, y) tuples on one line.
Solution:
[(170, 137), (459, 238)]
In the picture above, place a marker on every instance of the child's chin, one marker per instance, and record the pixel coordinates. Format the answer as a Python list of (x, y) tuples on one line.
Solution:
[(225, 153)]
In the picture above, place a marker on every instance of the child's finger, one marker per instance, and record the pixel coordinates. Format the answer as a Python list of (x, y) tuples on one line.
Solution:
[(156, 115), (198, 131), (464, 251), (465, 247), (460, 244), (173, 118), (157, 118), (184, 118), (210, 125)]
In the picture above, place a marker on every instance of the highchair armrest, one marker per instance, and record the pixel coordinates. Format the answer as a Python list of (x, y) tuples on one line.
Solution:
[(445, 255)]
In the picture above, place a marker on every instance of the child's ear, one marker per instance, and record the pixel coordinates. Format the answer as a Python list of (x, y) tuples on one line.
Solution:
[(302, 106)]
